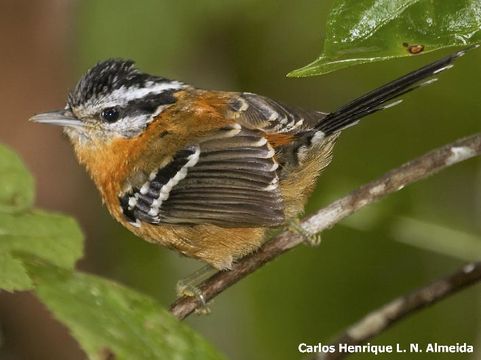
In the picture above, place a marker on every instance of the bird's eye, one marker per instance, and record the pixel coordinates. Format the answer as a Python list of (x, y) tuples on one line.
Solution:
[(110, 114)]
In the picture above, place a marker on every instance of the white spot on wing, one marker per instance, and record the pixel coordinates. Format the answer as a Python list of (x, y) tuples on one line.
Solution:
[(302, 153), (260, 142), (271, 152), (244, 105), (299, 123), (132, 202), (272, 185), (443, 68), (394, 103), (136, 224), (145, 188), (231, 131), (428, 82), (274, 115), (153, 212), (318, 137), (167, 188), (152, 175)]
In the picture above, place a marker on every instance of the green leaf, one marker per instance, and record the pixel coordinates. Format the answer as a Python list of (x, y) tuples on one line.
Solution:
[(52, 237), (107, 318), (362, 31), (16, 183), (13, 275)]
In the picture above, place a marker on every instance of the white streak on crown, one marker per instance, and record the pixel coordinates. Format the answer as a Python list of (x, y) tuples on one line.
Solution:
[(123, 95)]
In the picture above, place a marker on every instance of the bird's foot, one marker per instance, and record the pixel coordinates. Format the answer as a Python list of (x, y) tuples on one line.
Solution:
[(189, 286), (294, 225)]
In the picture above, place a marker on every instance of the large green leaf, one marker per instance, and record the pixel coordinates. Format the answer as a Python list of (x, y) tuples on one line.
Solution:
[(55, 238), (361, 31), (107, 318)]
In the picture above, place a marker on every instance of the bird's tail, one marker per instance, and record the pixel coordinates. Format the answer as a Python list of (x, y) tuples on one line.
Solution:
[(379, 98)]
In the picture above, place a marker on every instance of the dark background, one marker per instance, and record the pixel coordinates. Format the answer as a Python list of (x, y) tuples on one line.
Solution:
[(309, 294)]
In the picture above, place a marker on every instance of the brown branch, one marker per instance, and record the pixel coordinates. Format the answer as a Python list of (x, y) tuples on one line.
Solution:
[(325, 218), (384, 317)]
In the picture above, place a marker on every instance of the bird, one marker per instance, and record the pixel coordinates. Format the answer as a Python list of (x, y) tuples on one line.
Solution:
[(204, 172)]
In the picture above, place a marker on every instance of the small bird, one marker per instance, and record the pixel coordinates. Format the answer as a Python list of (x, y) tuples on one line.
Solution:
[(205, 172)]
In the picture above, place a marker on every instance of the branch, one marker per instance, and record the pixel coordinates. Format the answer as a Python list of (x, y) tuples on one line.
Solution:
[(384, 317), (325, 218)]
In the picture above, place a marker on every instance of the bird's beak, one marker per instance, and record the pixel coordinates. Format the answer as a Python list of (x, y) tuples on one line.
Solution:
[(59, 117)]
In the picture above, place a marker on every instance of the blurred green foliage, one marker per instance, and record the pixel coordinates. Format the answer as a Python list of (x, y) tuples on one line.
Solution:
[(309, 294)]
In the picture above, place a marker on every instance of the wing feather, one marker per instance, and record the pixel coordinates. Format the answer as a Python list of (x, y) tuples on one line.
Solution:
[(259, 112), (228, 179)]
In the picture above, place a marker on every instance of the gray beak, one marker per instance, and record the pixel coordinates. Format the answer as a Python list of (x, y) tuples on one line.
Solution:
[(59, 117)]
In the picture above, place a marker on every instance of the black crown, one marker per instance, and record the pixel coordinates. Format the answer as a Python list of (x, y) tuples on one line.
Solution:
[(107, 76)]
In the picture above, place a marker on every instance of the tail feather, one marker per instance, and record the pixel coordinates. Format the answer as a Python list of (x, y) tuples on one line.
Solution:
[(375, 100)]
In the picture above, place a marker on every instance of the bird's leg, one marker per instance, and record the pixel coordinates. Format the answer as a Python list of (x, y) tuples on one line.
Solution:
[(294, 225), (189, 286)]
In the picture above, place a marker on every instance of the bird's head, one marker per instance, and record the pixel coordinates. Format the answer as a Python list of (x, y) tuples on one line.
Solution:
[(113, 99)]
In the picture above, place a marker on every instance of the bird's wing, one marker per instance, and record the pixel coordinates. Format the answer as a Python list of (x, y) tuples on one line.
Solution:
[(228, 179), (288, 129), (262, 113)]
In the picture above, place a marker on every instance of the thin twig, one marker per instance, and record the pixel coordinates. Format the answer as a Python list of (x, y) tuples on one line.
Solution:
[(384, 317), (325, 218)]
